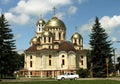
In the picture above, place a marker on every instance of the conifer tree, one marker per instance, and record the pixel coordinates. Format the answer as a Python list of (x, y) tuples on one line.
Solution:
[(100, 50), (7, 47)]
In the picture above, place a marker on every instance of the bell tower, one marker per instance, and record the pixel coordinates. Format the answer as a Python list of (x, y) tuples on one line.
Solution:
[(40, 25)]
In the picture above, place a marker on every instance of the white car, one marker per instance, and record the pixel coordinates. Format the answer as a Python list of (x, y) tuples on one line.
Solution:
[(68, 76)]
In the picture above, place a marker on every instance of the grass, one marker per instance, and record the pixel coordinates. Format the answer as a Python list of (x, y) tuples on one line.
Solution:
[(66, 82)]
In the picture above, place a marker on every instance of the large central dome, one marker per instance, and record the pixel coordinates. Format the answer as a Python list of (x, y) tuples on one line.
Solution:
[(55, 22)]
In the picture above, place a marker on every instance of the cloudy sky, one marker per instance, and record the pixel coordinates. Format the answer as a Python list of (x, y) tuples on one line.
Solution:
[(23, 15)]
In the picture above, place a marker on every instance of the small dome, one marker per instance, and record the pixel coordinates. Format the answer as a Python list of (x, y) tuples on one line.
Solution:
[(55, 22), (66, 46), (34, 40), (76, 35), (41, 22), (47, 34)]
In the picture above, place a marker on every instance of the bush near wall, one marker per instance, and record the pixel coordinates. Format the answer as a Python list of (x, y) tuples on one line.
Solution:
[(83, 73)]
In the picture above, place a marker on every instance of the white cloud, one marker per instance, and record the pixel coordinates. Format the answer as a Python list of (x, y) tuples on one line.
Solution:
[(20, 19), (20, 51), (81, 1), (72, 10), (60, 15), (113, 39), (109, 23), (87, 27), (27, 8), (86, 46), (35, 7), (60, 2), (21, 14)]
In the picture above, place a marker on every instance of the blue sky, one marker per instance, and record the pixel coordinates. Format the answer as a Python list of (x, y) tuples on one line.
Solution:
[(23, 15)]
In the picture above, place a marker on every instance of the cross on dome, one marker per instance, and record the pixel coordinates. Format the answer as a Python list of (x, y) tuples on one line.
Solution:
[(54, 10)]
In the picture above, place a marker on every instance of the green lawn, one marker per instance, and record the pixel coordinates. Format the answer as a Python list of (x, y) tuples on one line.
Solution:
[(66, 82)]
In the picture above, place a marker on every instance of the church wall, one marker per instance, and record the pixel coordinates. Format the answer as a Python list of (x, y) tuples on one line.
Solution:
[(63, 56), (71, 60), (84, 66), (82, 61), (49, 61), (38, 62)]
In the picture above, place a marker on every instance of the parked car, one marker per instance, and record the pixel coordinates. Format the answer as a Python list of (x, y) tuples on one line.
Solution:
[(70, 76)]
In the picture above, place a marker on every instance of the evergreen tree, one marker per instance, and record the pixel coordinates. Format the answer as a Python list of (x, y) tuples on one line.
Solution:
[(7, 47), (100, 50)]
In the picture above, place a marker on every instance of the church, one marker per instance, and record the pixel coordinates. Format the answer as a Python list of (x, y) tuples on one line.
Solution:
[(49, 54)]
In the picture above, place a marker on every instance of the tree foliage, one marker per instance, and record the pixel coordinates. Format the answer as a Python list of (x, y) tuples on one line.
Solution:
[(100, 50), (8, 55), (83, 73)]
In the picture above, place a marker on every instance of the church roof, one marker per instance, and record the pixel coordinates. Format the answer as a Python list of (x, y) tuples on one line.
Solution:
[(76, 35), (41, 21), (66, 46), (32, 48), (55, 22)]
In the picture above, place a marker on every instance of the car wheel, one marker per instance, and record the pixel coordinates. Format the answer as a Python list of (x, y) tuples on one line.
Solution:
[(75, 78), (62, 78)]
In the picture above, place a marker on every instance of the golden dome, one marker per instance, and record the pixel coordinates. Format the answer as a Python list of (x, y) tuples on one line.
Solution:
[(76, 35), (41, 21), (55, 22), (34, 40), (47, 34)]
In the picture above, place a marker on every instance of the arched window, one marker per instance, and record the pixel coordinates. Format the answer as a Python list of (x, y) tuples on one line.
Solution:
[(30, 56), (59, 35), (63, 35), (44, 39), (63, 56), (75, 40), (81, 62), (50, 56), (49, 62), (79, 41), (63, 62), (49, 39), (30, 63)]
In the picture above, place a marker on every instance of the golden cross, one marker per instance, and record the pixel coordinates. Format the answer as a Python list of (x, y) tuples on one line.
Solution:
[(41, 16), (54, 9)]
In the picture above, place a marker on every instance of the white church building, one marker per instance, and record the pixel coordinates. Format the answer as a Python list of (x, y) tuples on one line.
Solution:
[(50, 54)]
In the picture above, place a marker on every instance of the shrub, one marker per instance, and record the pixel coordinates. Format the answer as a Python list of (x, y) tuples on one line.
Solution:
[(83, 73)]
